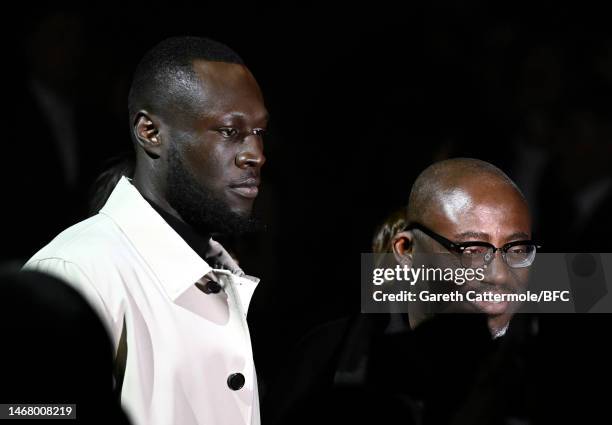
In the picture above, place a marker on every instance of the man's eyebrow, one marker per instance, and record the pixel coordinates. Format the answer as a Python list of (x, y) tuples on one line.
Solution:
[(518, 236), (241, 116), (472, 235), (475, 235)]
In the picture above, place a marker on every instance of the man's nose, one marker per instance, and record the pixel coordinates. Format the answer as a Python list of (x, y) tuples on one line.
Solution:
[(497, 272), (251, 154)]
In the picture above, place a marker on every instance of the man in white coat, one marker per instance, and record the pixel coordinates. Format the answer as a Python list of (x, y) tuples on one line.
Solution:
[(173, 299)]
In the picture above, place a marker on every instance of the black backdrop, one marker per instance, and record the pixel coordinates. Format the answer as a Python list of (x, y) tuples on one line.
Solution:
[(361, 99)]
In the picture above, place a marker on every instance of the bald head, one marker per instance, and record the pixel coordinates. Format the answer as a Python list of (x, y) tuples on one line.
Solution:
[(442, 188), (464, 201)]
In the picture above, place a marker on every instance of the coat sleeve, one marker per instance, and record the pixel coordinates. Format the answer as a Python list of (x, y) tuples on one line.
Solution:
[(74, 276)]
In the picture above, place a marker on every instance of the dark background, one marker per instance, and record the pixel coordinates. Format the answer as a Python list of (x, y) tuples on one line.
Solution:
[(361, 100)]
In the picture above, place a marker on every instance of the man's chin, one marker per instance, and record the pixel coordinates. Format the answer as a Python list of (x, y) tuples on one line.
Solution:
[(491, 308), (241, 212), (238, 203), (475, 300)]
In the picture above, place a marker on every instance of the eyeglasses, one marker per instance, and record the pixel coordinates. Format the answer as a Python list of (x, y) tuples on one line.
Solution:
[(478, 254)]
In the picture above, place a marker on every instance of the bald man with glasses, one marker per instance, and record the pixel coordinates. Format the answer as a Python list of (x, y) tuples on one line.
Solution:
[(361, 369), (471, 209)]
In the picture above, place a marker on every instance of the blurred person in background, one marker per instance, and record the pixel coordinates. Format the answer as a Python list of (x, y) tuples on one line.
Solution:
[(56, 349)]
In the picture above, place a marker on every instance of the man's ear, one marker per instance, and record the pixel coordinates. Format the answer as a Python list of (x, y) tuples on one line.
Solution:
[(402, 245), (146, 132)]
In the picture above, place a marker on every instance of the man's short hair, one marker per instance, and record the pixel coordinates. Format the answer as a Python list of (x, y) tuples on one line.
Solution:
[(165, 78)]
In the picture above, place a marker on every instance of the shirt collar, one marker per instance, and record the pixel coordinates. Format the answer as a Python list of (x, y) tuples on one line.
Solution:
[(172, 260)]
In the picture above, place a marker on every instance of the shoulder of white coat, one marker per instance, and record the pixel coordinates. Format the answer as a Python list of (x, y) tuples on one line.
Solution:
[(96, 245), (91, 257)]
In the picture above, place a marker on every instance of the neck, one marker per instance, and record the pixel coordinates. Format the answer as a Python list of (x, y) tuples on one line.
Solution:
[(153, 192), (150, 189)]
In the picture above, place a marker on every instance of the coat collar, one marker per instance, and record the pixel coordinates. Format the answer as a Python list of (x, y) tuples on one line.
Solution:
[(172, 260)]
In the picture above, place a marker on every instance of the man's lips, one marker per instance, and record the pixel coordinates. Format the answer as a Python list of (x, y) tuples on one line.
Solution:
[(248, 188), (490, 307)]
